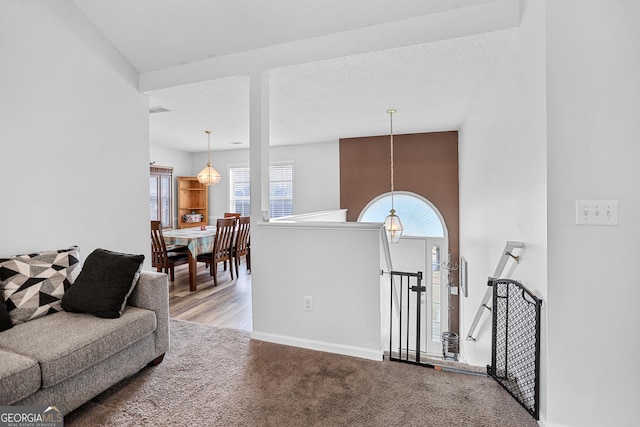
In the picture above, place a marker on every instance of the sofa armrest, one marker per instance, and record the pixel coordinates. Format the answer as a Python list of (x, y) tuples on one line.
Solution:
[(152, 293)]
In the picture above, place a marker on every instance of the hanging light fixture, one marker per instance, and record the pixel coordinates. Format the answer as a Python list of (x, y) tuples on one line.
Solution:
[(208, 175), (392, 222)]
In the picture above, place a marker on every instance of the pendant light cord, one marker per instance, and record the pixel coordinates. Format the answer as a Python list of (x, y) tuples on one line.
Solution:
[(208, 132), (391, 130)]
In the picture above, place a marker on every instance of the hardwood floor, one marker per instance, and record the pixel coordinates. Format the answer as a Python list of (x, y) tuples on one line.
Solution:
[(227, 305)]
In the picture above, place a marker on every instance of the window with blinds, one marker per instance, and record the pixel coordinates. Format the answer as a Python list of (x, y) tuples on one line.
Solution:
[(280, 190), (240, 191)]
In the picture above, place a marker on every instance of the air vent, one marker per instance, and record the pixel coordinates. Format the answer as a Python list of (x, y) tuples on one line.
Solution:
[(158, 109)]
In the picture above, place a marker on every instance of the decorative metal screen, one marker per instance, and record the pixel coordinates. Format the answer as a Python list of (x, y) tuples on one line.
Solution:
[(515, 355)]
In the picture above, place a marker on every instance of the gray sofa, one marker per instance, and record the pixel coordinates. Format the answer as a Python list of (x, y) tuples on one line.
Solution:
[(65, 359)]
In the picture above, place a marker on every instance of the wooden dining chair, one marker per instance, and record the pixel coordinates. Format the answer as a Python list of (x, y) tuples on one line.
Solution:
[(241, 247), (165, 257), (235, 216), (222, 248), (232, 215)]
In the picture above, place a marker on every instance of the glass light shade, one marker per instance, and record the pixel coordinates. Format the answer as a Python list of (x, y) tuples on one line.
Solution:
[(209, 176), (394, 227)]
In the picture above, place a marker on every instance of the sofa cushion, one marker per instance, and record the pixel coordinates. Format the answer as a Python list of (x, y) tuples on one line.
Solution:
[(104, 284), (33, 284), (67, 343), (19, 377)]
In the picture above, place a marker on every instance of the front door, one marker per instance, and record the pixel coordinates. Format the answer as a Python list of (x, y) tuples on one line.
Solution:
[(424, 254)]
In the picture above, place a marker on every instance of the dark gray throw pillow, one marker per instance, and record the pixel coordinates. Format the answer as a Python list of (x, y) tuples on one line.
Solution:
[(5, 319), (104, 284)]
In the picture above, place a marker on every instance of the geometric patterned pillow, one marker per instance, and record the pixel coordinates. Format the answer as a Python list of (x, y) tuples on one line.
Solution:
[(33, 285)]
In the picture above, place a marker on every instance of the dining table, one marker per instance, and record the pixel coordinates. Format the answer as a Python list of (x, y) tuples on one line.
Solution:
[(197, 240)]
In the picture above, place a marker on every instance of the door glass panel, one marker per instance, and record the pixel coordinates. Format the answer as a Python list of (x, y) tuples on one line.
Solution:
[(160, 189), (436, 289), (153, 190), (165, 183)]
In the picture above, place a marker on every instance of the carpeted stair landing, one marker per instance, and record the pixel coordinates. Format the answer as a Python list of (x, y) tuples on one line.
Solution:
[(220, 377)]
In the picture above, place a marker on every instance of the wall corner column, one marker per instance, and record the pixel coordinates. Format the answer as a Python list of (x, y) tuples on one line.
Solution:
[(259, 144)]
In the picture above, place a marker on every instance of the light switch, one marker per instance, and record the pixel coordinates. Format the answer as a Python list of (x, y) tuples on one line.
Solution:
[(596, 212)]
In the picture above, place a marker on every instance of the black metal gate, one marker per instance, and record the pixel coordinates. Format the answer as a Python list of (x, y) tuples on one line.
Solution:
[(515, 348), (407, 291)]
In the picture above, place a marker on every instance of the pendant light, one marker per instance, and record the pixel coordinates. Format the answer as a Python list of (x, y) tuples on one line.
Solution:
[(208, 175), (392, 222)]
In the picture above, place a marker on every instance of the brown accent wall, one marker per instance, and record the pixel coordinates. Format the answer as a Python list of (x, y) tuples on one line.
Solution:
[(424, 163)]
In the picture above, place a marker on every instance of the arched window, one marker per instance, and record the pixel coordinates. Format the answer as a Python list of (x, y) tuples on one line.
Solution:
[(419, 217)]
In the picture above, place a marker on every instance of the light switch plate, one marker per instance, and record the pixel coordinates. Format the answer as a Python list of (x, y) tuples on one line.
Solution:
[(596, 212)]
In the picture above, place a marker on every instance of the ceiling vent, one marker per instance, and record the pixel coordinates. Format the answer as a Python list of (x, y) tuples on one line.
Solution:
[(158, 109)]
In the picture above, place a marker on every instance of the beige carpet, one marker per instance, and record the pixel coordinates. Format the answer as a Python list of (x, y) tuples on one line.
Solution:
[(220, 377)]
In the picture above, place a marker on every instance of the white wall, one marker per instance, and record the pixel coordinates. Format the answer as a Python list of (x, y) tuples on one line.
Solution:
[(180, 161), (316, 175), (337, 264), (502, 146), (503, 184), (74, 135), (591, 63), (221, 161), (593, 69)]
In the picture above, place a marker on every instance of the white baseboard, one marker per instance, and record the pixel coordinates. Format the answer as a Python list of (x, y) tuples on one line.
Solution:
[(364, 353), (543, 423)]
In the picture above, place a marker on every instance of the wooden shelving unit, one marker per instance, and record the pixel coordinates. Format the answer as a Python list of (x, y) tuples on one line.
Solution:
[(193, 197)]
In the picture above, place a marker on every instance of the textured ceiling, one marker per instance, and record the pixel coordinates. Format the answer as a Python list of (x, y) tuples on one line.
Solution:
[(431, 85)]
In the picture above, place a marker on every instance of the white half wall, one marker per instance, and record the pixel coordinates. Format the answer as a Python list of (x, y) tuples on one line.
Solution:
[(337, 215), (75, 135), (338, 266), (593, 93)]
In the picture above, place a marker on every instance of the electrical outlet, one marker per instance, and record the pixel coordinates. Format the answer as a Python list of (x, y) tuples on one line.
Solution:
[(596, 212), (308, 303)]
